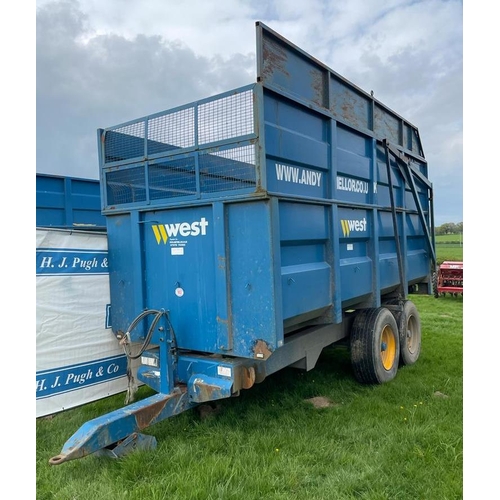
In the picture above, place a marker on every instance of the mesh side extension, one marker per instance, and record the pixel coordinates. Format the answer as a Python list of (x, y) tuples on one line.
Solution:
[(227, 117), (199, 149), (172, 178), (126, 186), (125, 142), (171, 131), (227, 170)]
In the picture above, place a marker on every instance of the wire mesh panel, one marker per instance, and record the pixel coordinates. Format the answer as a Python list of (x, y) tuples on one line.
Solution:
[(126, 186), (224, 118), (227, 170), (198, 149), (173, 177), (171, 131), (125, 143)]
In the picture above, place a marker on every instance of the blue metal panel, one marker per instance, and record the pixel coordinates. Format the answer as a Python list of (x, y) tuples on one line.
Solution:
[(68, 203), (251, 283), (356, 279), (306, 274), (354, 181), (350, 105), (125, 271), (288, 70), (356, 261), (289, 178), (179, 273), (297, 149)]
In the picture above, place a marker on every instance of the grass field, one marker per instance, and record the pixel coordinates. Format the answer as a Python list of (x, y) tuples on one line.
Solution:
[(401, 440), (449, 247), (449, 238)]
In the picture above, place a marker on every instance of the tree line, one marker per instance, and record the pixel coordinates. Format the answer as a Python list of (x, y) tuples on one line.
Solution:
[(450, 228)]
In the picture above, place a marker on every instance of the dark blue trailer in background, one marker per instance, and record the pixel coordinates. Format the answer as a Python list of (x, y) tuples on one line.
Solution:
[(64, 202), (250, 230)]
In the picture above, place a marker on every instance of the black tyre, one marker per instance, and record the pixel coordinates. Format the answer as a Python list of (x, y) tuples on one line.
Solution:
[(435, 285), (410, 334), (374, 343)]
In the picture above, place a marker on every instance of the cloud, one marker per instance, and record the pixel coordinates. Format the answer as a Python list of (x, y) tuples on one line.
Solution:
[(86, 81), (100, 64)]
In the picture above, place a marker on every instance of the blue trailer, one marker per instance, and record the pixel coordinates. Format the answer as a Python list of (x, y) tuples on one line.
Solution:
[(252, 229), (64, 202)]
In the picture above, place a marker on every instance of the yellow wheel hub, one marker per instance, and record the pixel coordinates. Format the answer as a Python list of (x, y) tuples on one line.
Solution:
[(387, 348)]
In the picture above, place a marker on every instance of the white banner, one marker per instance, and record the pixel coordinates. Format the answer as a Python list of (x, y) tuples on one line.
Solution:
[(78, 359)]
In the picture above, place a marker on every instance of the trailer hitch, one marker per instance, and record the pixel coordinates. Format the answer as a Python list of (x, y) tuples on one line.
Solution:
[(111, 429)]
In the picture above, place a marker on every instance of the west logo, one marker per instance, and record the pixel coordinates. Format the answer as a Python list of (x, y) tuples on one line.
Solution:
[(356, 225), (163, 232)]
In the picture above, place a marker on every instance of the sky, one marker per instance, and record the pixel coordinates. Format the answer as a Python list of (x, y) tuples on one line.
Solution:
[(99, 64)]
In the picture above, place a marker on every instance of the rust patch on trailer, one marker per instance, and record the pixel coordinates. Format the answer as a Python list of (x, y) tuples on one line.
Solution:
[(260, 350), (348, 112), (145, 416), (259, 191), (318, 85), (247, 377), (275, 58), (206, 392), (343, 105), (222, 262)]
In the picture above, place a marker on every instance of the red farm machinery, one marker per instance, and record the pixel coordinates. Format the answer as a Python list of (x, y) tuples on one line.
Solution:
[(449, 278)]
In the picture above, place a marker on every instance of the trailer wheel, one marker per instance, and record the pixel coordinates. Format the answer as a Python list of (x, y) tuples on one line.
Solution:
[(435, 285), (410, 334), (374, 343)]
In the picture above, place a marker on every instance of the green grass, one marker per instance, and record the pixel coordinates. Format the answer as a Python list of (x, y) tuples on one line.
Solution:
[(449, 238), (401, 440), (449, 247), (449, 252)]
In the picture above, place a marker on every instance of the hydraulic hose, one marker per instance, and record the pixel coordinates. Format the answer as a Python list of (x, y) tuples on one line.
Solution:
[(147, 340), (132, 386), (151, 329)]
